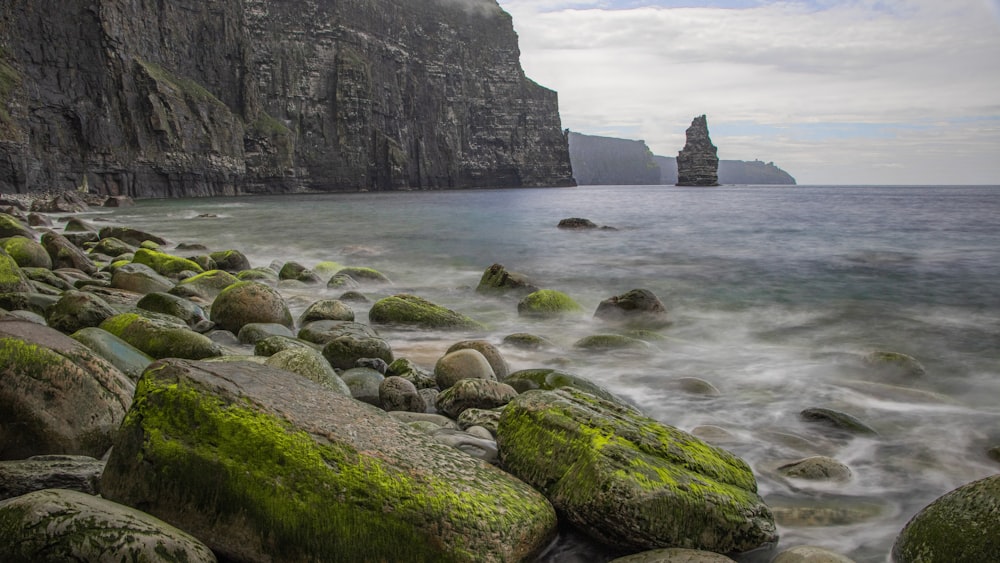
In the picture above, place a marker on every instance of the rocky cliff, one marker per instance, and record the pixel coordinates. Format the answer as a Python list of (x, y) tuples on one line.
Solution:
[(207, 97), (607, 161), (698, 161)]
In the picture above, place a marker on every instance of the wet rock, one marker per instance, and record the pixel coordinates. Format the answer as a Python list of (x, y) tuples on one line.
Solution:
[(129, 235), (298, 272), (492, 354), (817, 468), (327, 310), (462, 364), (65, 254), (496, 279), (66, 202), (674, 555), (113, 247), (253, 333), (364, 384), (610, 342), (270, 458), (377, 364), (56, 397), (323, 332), (474, 393), (36, 303), (249, 302), (12, 279), (959, 526), (27, 253), (577, 223), (62, 525), (117, 201), (342, 281), (72, 472), (838, 420), (398, 394), (139, 278), (77, 225), (698, 161), (76, 310), (343, 352), (547, 303), (440, 421), (231, 261), (185, 310), (695, 386), (274, 344), (404, 368), (310, 364), (12, 227), (895, 364), (638, 307), (368, 276), (810, 554), (160, 338), (647, 485), (127, 358), (526, 341), (483, 418), (417, 312), (552, 379), (207, 285), (166, 264), (477, 447)]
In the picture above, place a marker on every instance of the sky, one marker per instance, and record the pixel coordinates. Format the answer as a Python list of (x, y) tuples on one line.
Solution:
[(834, 92)]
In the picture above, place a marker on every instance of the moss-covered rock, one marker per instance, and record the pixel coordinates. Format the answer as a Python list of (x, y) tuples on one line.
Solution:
[(232, 261), (56, 396), (139, 278), (474, 393), (327, 310), (323, 332), (365, 275), (295, 271), (206, 285), (249, 302), (113, 247), (637, 307), (342, 281), (398, 394), (28, 253), (551, 379), (61, 525), (343, 352), (628, 480), (11, 227), (417, 312), (76, 310), (309, 363), (547, 303), (165, 264), (65, 254), (12, 279), (183, 309), (253, 333), (817, 468), (46, 276), (274, 344), (265, 464), (501, 368), (526, 341), (409, 371), (962, 526), (134, 237), (161, 339), (610, 342), (496, 279), (262, 274), (127, 358)]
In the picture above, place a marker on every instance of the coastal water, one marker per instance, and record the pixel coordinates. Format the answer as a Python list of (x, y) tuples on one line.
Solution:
[(775, 296)]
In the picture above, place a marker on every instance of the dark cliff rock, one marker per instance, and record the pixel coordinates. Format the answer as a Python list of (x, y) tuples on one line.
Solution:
[(698, 161), (609, 161), (753, 172), (209, 97)]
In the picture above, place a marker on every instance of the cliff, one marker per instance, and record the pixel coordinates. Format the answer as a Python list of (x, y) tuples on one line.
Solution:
[(698, 161), (208, 97), (606, 160)]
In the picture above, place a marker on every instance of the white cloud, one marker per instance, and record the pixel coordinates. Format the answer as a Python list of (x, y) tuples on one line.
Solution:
[(783, 67)]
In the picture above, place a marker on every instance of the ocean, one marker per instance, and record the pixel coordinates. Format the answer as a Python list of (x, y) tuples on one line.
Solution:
[(775, 295)]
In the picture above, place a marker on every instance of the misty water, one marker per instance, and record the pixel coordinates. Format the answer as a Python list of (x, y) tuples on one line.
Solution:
[(775, 296)]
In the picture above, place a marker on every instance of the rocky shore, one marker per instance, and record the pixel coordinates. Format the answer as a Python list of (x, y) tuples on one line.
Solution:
[(160, 402)]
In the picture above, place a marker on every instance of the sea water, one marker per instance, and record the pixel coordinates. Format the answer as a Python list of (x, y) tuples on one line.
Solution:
[(775, 294)]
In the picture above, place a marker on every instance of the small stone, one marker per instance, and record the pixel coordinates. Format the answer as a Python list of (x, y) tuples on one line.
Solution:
[(817, 468)]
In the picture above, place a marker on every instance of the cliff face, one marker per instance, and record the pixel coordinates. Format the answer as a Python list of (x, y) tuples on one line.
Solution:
[(204, 97), (698, 161), (610, 161)]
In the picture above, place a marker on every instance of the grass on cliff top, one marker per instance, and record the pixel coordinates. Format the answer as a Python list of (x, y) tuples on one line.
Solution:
[(185, 86)]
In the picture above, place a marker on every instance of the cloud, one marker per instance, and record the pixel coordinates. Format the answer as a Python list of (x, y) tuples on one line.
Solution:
[(922, 69)]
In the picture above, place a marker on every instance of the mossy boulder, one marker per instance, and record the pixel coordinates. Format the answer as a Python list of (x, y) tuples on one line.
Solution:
[(274, 344), (249, 302), (61, 525), (166, 264), (547, 303), (298, 272), (461, 364), (409, 371), (637, 307), (501, 368), (129, 235), (365, 275), (343, 352), (12, 279), (232, 261), (526, 341), (65, 254), (417, 312), (28, 253), (187, 311), (310, 364), (551, 379), (160, 338), (677, 555), (37, 303), (398, 394), (629, 480), (962, 526), (327, 310), (342, 281), (816, 468), (139, 278), (113, 247), (206, 285), (127, 358), (323, 332), (262, 274), (496, 279), (56, 395), (267, 465), (10, 226), (474, 394), (76, 309), (609, 343), (253, 333)]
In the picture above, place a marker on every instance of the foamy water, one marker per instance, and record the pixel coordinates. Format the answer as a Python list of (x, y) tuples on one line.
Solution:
[(775, 294)]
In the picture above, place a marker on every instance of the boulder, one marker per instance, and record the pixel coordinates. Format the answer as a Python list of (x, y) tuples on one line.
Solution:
[(343, 352), (78, 225), (253, 333), (492, 354), (327, 310), (837, 420), (65, 202), (609, 343), (365, 385), (249, 302), (309, 363), (65, 254), (398, 394), (404, 368), (638, 307), (496, 279), (232, 261), (160, 338), (73, 472), (551, 379), (113, 247), (475, 446), (206, 285), (12, 279), (483, 418), (417, 312), (263, 274), (76, 310), (628, 480), (268, 466), (139, 278), (28, 253), (474, 393), (461, 364), (127, 358), (547, 303), (56, 396), (324, 332), (131, 236), (118, 201), (10, 226), (298, 272), (961, 526), (61, 525), (184, 310), (166, 264), (342, 281), (576, 223), (273, 344), (369, 276), (526, 341), (817, 468)]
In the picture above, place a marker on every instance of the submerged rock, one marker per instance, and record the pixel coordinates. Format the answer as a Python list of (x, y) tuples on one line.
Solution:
[(268, 466), (838, 420), (638, 307), (61, 525), (547, 303), (817, 468), (628, 480), (698, 161)]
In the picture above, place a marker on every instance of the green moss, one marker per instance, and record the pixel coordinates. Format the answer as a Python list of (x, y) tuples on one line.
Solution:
[(547, 303), (303, 496), (165, 264), (410, 310), (159, 339), (184, 86), (12, 280)]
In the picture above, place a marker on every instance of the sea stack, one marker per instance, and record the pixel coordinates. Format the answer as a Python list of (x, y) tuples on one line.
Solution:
[(698, 161)]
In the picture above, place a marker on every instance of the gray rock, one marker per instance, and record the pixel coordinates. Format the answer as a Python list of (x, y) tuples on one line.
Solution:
[(638, 307), (140, 278), (481, 448), (496, 279), (232, 261), (838, 420), (184, 309), (127, 358), (62, 525), (492, 354), (895, 364), (65, 254), (438, 420), (463, 364), (76, 310), (430, 395), (274, 344), (73, 472), (364, 384), (407, 370), (207, 285), (344, 352), (695, 386), (327, 310), (252, 333), (249, 302), (310, 364), (474, 393), (398, 394), (483, 418), (481, 432), (826, 511), (817, 468), (323, 332), (527, 341)]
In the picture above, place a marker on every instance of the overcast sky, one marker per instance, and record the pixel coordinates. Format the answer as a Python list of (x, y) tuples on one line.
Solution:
[(834, 92)]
